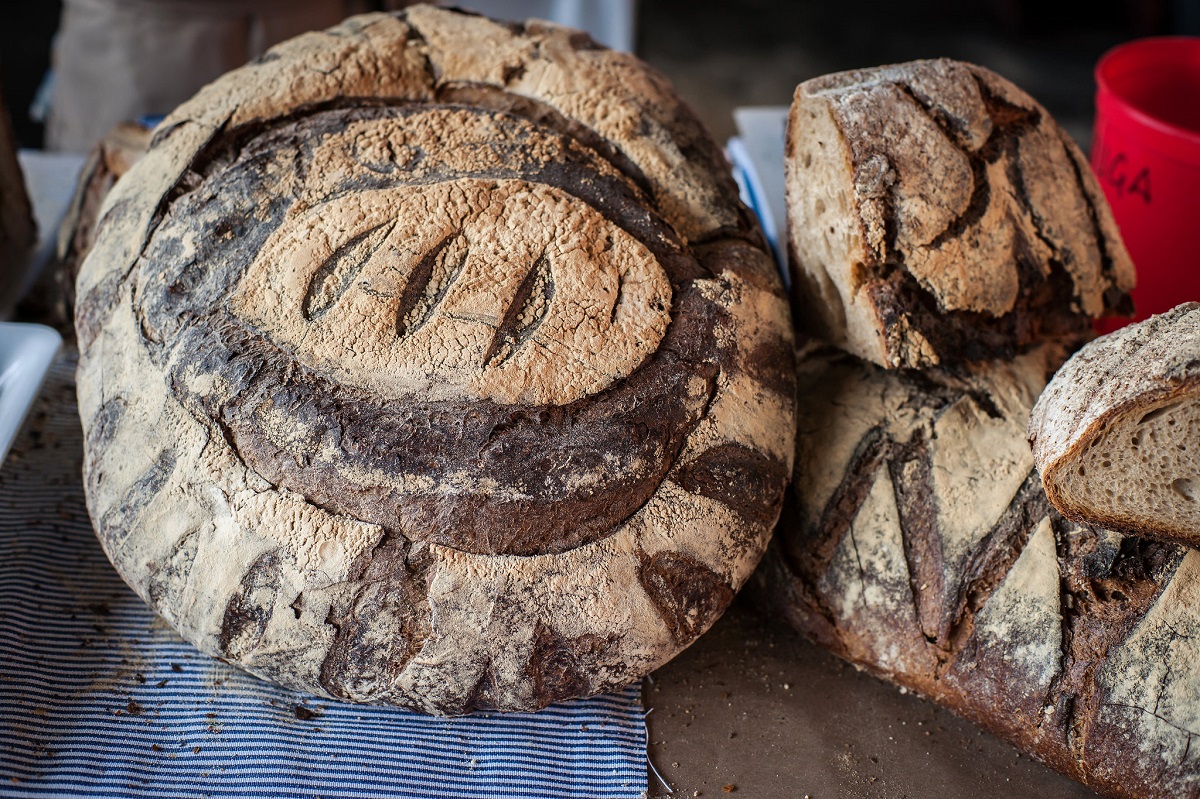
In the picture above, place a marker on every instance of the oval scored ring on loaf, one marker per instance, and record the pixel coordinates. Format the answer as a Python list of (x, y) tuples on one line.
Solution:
[(433, 361)]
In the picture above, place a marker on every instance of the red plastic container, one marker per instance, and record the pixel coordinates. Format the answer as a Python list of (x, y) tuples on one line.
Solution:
[(1146, 152)]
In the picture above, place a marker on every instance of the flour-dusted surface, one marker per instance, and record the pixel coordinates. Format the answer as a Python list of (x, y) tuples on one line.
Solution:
[(917, 542), (936, 213), (1117, 432), (433, 361), (100, 698)]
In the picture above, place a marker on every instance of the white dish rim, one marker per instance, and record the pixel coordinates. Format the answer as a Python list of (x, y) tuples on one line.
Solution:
[(26, 352)]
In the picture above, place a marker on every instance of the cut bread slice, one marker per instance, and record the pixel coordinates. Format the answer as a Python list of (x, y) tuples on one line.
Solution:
[(1116, 434), (936, 214)]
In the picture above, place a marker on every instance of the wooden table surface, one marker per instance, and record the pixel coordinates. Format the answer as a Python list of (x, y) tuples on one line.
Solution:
[(753, 709)]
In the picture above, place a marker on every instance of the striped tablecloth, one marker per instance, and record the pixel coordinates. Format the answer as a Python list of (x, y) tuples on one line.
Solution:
[(98, 697)]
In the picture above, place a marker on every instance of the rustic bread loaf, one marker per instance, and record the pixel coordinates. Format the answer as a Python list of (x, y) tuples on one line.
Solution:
[(917, 543), (432, 361), (112, 157), (937, 213), (53, 298), (1116, 434)]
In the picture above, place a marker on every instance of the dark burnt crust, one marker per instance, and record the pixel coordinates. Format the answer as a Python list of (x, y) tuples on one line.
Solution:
[(911, 473), (559, 666), (638, 424), (811, 543), (991, 560), (748, 482), (382, 626), (1107, 590), (1108, 584), (901, 305), (1118, 302), (249, 609), (687, 594)]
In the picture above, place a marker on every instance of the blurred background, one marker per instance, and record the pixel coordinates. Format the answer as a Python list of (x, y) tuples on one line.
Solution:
[(116, 59)]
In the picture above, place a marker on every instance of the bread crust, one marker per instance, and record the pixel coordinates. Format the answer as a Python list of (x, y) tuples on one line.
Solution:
[(111, 158), (432, 361), (1132, 372), (917, 543), (937, 213)]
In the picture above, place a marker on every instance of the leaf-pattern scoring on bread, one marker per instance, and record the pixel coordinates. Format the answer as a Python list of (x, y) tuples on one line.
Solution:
[(917, 542)]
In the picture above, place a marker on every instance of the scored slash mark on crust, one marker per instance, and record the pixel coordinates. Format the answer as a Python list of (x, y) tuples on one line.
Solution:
[(121, 518), (525, 313), (427, 285), (383, 624), (687, 594), (1072, 643), (1009, 122), (942, 601), (748, 482), (558, 666), (249, 609), (464, 298), (168, 574), (911, 471), (333, 278), (821, 543), (429, 282), (105, 425)]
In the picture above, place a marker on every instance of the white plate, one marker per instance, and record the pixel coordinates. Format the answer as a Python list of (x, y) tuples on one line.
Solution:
[(26, 352)]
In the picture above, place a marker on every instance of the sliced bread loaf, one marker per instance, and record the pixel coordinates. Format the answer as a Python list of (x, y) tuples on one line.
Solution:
[(1116, 434)]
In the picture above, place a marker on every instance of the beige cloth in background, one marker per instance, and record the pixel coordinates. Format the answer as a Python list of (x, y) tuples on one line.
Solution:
[(117, 60)]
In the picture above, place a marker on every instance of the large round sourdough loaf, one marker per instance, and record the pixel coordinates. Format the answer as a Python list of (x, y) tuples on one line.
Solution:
[(918, 543), (433, 361)]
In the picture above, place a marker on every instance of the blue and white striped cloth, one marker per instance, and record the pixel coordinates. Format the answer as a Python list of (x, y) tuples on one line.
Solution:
[(98, 697)]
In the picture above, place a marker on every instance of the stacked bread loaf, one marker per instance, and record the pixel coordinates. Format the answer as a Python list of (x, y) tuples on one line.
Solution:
[(433, 361), (942, 222), (937, 214)]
